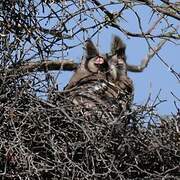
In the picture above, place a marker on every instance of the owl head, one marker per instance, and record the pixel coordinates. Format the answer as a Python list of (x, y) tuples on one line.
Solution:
[(114, 62), (110, 66), (94, 61)]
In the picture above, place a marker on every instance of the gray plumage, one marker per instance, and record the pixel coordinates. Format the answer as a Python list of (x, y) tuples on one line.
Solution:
[(101, 80)]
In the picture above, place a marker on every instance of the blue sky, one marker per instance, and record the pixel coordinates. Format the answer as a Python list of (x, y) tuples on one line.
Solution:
[(156, 76)]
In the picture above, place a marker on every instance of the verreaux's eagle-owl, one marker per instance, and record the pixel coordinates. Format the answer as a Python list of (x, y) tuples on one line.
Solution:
[(101, 80)]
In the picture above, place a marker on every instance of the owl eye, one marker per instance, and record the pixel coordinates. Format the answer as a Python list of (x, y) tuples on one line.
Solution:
[(99, 60), (120, 66)]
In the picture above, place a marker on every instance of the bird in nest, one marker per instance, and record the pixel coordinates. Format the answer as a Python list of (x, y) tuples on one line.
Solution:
[(101, 81)]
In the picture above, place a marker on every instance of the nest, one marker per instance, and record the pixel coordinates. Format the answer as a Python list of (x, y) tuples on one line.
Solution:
[(54, 139)]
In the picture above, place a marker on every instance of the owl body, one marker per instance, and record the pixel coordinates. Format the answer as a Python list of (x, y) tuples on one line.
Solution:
[(101, 81)]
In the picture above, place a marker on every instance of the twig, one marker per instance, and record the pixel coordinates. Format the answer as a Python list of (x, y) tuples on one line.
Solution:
[(65, 65), (148, 57)]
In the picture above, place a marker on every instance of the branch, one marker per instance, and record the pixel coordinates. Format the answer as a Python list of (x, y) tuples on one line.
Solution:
[(56, 33), (167, 12), (65, 65), (148, 57), (109, 14), (163, 10), (70, 65)]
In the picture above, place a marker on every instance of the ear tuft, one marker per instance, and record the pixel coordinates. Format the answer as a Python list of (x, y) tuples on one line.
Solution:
[(91, 50), (118, 47)]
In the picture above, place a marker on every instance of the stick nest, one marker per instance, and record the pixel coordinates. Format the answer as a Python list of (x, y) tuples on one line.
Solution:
[(54, 139)]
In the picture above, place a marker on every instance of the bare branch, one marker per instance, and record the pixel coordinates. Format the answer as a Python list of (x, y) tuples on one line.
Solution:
[(65, 65), (166, 10), (70, 65), (148, 57)]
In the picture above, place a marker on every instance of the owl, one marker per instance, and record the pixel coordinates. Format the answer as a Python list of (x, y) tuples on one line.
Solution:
[(101, 81)]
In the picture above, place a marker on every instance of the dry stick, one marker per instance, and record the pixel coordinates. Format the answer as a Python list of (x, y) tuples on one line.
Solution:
[(65, 65), (70, 65), (109, 14), (160, 9), (148, 57), (167, 12)]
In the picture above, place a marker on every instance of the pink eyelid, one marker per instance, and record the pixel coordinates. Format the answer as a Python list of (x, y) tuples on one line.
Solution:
[(99, 60)]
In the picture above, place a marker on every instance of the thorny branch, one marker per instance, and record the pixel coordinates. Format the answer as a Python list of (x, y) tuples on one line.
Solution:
[(69, 65), (60, 65), (149, 56), (50, 137), (26, 35), (56, 140)]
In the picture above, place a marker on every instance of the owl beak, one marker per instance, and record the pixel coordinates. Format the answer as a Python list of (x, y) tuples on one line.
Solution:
[(99, 61)]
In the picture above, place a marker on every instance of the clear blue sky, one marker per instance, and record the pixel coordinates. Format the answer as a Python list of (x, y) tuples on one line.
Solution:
[(156, 76)]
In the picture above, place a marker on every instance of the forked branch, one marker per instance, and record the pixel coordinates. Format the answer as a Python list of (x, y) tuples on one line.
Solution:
[(146, 59), (153, 51), (65, 65), (70, 65)]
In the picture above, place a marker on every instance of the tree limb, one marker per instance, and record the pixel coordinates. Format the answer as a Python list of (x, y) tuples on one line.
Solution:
[(65, 65), (149, 56), (70, 65), (146, 59), (163, 10)]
